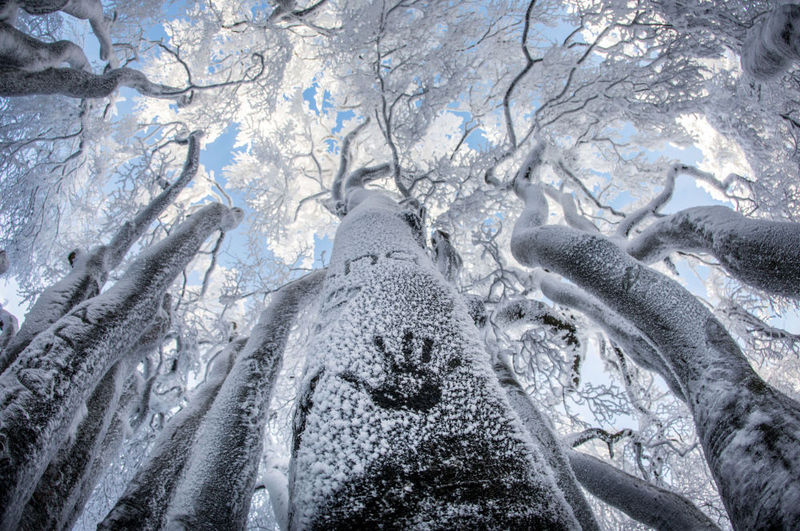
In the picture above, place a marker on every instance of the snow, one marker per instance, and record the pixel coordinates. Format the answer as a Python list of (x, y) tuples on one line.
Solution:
[(427, 439)]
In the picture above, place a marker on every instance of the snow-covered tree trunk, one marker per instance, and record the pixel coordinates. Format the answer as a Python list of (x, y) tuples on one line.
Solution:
[(68, 481), (42, 391), (90, 269), (401, 418), (539, 428), (642, 501), (216, 489), (773, 44), (146, 500), (764, 254), (749, 431), (57, 491)]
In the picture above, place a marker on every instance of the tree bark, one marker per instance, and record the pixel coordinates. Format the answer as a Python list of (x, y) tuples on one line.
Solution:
[(539, 428), (216, 489), (644, 502), (146, 500), (750, 432), (401, 418), (764, 254), (772, 45), (41, 392), (80, 84), (90, 269)]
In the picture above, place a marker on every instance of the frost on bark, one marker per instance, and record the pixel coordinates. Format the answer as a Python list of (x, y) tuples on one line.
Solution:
[(216, 489), (146, 500), (4, 264), (401, 418), (749, 431), (8, 329), (59, 488), (90, 269), (19, 51), (539, 428), (71, 476), (42, 391), (81, 84), (644, 502), (764, 254), (773, 44)]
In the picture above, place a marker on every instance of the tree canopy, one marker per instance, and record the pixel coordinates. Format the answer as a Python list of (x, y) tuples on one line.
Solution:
[(603, 182)]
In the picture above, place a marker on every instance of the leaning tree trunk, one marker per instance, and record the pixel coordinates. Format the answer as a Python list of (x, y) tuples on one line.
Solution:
[(68, 481), (216, 488), (144, 504), (539, 428), (401, 419), (90, 270), (653, 506), (750, 432), (41, 392)]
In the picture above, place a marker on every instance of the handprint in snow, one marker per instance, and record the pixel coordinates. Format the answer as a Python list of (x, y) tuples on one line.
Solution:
[(411, 382)]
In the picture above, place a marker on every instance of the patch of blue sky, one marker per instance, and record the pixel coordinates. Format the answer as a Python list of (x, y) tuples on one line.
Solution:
[(323, 246), (476, 140)]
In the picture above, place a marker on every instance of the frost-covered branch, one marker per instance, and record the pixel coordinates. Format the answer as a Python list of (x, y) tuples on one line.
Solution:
[(90, 269), (8, 326), (216, 488), (148, 496), (19, 51), (4, 263), (750, 432), (619, 330), (42, 391), (653, 506), (774, 44), (59, 488), (764, 254), (445, 256), (337, 193), (81, 84)]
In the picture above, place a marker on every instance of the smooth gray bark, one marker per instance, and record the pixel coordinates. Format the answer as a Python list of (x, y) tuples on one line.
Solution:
[(749, 431), (401, 418), (41, 392), (539, 428), (653, 506), (218, 483), (90, 269), (147, 498)]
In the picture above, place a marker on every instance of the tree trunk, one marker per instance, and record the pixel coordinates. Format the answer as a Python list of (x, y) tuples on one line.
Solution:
[(146, 500), (41, 392), (90, 270), (539, 428), (402, 420), (57, 491), (750, 432), (215, 492), (761, 253), (642, 501)]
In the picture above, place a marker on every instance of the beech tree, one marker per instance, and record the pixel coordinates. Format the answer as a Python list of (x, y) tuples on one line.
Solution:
[(498, 263)]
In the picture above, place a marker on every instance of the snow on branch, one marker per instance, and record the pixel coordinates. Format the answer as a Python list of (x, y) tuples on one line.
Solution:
[(644, 502), (216, 488), (42, 391), (337, 192), (761, 253), (90, 269), (148, 496), (750, 432)]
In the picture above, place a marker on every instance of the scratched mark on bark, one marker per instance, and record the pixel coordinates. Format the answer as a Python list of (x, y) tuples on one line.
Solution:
[(411, 381), (341, 296)]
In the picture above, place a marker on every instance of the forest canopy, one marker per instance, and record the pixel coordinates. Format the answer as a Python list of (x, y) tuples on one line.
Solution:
[(252, 229)]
